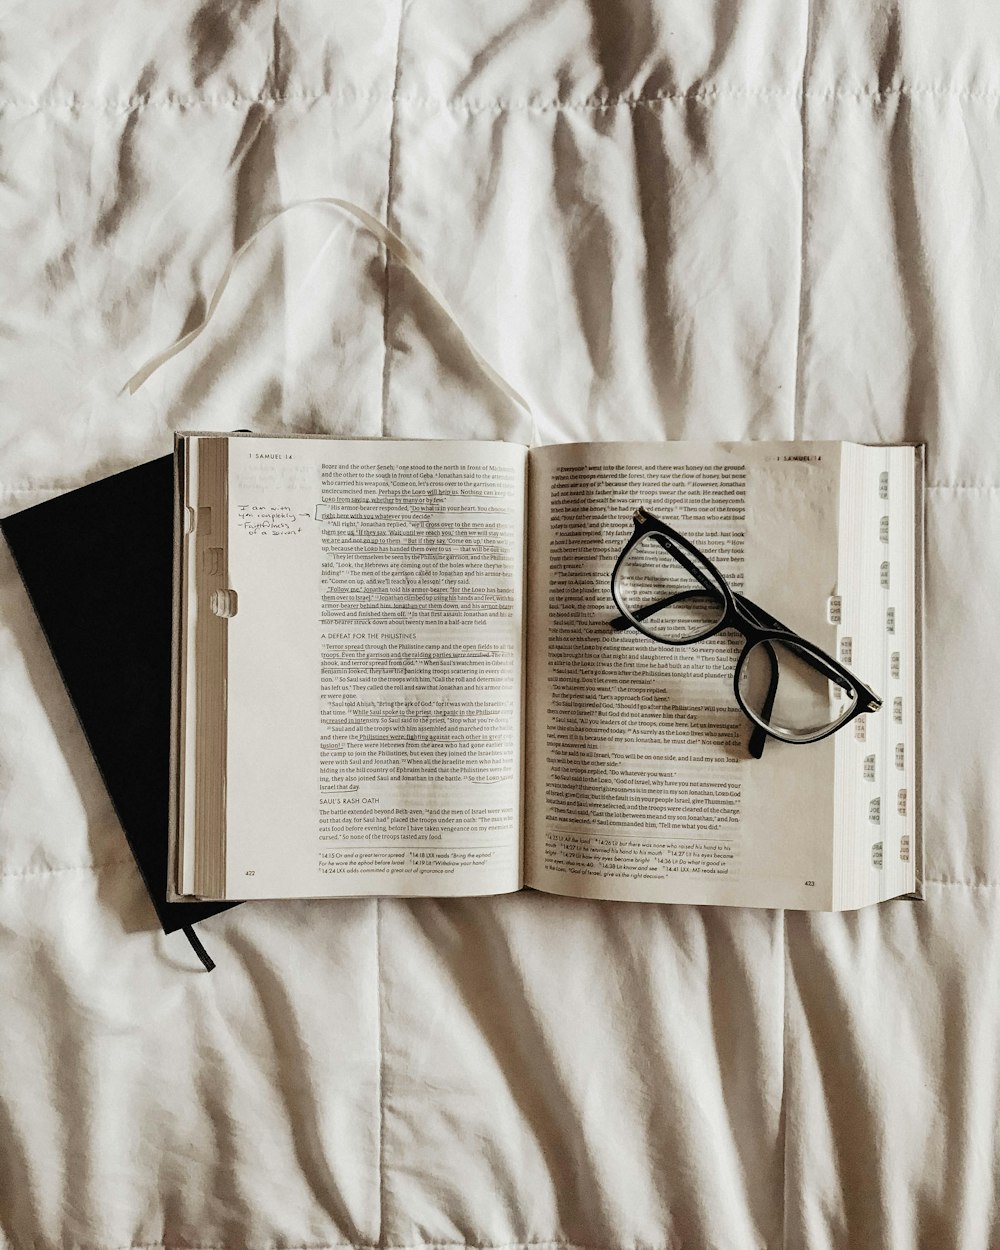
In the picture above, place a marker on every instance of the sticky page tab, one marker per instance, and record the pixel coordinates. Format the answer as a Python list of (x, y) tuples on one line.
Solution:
[(223, 603)]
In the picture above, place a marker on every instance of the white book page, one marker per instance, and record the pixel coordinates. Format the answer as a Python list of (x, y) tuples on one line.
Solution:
[(375, 667), (639, 784)]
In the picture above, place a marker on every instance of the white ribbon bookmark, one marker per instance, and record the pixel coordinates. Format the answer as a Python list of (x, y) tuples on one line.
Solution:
[(392, 243)]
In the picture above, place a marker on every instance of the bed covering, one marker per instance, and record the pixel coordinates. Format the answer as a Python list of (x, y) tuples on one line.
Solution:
[(764, 219)]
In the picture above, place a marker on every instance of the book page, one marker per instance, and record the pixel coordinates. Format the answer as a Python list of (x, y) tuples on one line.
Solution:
[(374, 667), (640, 784)]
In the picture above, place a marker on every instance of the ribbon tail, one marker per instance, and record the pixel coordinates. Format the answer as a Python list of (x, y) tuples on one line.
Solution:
[(393, 244), (197, 947)]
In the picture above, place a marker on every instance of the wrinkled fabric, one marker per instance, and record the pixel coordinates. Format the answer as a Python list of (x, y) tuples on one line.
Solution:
[(766, 219)]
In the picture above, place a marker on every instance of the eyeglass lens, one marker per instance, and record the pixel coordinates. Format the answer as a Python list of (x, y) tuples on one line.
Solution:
[(807, 699), (660, 592)]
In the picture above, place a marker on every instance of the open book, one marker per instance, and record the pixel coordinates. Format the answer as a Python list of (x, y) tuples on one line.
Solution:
[(395, 673)]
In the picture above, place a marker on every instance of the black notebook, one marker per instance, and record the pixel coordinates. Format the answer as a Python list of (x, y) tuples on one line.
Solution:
[(102, 592)]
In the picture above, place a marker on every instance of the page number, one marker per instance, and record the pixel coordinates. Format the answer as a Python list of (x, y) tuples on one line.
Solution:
[(807, 883), (250, 872)]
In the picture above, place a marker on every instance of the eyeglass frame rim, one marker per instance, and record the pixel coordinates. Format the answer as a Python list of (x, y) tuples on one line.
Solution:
[(736, 617)]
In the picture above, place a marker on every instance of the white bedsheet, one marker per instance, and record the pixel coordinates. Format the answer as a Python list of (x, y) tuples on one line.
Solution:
[(719, 220)]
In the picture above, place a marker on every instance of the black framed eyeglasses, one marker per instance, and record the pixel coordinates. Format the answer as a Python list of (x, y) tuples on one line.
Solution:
[(789, 688)]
